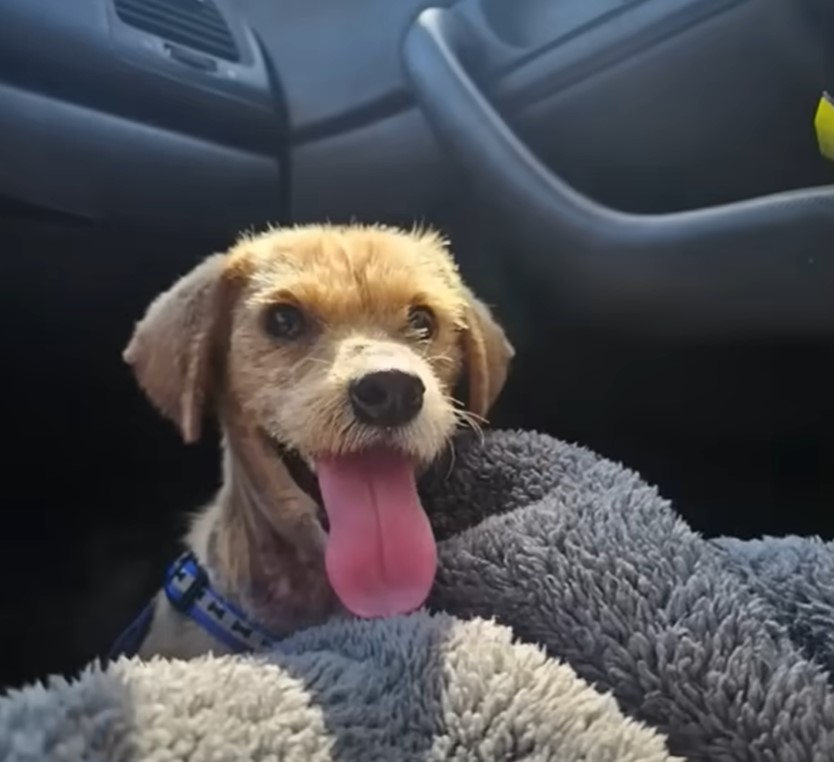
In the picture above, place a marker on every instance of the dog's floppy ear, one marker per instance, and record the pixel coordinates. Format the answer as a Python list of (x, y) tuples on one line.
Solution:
[(487, 356), (173, 346)]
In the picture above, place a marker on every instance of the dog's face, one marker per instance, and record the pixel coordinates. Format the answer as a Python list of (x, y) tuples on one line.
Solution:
[(341, 342), (329, 340), (346, 346)]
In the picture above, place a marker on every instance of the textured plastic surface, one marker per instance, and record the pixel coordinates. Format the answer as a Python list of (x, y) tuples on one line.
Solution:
[(528, 24), (652, 112), (762, 267), (102, 121), (90, 164), (339, 60), (658, 105), (82, 53)]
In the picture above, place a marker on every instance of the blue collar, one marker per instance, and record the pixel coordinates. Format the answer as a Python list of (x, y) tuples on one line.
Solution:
[(188, 590)]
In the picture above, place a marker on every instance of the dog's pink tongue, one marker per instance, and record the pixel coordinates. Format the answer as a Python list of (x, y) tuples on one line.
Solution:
[(381, 556)]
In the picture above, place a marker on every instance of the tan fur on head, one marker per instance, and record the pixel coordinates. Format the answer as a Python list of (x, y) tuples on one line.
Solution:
[(205, 336)]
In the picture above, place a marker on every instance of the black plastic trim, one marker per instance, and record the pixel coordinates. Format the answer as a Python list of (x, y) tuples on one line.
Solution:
[(93, 165)]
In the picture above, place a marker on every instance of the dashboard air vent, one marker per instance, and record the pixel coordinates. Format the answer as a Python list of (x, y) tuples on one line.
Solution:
[(197, 24)]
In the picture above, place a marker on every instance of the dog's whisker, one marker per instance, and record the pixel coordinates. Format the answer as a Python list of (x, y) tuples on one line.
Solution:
[(468, 420), (460, 408), (451, 468), (439, 359), (311, 360)]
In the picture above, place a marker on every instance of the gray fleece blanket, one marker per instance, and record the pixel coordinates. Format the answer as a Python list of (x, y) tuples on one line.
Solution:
[(575, 618)]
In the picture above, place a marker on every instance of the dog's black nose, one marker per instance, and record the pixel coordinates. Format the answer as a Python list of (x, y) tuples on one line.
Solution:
[(387, 398)]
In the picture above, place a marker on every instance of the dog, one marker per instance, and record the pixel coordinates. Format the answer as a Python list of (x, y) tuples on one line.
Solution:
[(331, 357)]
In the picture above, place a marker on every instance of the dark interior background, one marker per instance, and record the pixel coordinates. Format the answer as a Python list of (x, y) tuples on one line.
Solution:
[(96, 487)]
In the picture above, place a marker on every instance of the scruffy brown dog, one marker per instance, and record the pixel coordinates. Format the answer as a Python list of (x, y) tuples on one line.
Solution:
[(339, 349)]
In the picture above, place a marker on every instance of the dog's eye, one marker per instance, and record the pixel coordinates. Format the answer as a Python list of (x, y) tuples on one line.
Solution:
[(284, 321), (421, 320)]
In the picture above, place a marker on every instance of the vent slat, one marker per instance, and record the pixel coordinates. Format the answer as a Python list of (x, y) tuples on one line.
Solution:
[(195, 24), (183, 37), (152, 18), (168, 9)]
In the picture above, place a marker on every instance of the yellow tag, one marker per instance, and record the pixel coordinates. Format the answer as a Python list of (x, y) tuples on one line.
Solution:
[(824, 125)]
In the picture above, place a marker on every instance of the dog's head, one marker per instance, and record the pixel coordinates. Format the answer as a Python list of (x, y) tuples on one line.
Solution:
[(343, 344)]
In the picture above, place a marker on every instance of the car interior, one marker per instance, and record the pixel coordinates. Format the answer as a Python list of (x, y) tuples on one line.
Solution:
[(636, 186)]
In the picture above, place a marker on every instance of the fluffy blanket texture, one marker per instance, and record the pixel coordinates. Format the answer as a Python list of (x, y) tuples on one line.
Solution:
[(619, 635)]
